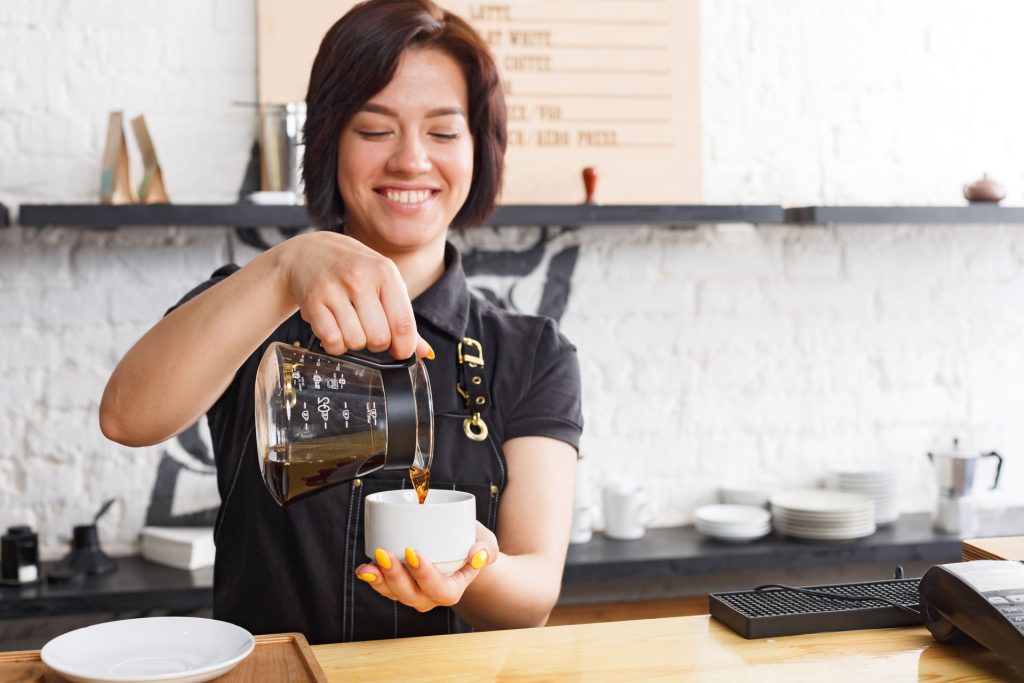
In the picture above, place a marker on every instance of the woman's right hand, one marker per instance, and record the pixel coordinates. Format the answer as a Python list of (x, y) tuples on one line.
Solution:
[(352, 296)]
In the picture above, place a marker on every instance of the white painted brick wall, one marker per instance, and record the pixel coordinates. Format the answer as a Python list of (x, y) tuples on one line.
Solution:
[(706, 354)]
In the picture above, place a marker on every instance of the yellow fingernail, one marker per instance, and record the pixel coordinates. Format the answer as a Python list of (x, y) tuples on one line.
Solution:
[(411, 559), (479, 560), (368, 577), (430, 351), (382, 558)]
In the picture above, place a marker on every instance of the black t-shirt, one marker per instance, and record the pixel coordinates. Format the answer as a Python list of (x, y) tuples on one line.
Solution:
[(290, 569)]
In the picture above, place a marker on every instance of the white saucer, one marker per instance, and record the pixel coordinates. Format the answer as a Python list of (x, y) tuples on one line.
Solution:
[(732, 515), (165, 649)]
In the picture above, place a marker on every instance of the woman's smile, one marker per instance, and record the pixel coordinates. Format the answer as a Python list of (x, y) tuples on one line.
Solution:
[(407, 201)]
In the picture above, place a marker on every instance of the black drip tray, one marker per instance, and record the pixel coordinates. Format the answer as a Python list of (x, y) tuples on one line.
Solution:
[(786, 612)]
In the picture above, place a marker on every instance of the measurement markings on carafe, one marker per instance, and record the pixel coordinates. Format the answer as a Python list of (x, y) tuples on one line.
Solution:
[(323, 406), (371, 412), (345, 413)]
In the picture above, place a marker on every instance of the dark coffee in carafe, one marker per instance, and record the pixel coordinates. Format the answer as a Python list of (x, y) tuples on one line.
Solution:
[(315, 466), (324, 420)]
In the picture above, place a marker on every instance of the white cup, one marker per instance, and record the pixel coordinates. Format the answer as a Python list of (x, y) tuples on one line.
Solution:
[(627, 512), (582, 524), (443, 529), (584, 512)]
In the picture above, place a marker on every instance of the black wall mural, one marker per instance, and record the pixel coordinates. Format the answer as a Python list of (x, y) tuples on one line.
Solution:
[(545, 267)]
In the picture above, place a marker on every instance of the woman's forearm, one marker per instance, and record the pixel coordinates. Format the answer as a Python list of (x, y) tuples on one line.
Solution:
[(176, 371), (517, 591)]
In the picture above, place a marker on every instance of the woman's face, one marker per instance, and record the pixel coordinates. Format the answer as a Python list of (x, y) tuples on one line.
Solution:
[(405, 160)]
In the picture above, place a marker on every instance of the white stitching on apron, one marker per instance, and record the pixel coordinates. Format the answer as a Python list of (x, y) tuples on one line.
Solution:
[(348, 585)]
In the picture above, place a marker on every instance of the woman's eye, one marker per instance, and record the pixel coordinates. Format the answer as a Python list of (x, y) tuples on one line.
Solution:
[(374, 133), (446, 136)]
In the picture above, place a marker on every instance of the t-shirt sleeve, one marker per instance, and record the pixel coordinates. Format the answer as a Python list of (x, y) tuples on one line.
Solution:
[(550, 403)]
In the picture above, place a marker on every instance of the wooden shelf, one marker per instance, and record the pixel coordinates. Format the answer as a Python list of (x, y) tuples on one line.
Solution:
[(160, 215), (248, 215), (253, 215), (971, 213)]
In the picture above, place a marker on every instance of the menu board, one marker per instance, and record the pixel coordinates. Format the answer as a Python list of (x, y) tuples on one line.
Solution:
[(609, 84)]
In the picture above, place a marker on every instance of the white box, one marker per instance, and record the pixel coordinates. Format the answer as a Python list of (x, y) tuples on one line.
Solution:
[(181, 547)]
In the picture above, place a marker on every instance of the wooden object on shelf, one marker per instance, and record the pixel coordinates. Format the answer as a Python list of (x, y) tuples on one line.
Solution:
[(151, 189), (590, 185), (115, 181), (277, 657), (1003, 548)]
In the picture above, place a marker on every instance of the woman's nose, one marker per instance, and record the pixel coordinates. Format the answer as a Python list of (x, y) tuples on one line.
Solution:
[(410, 157)]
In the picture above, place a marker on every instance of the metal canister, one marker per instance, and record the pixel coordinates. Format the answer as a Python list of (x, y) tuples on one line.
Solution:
[(19, 556), (281, 147)]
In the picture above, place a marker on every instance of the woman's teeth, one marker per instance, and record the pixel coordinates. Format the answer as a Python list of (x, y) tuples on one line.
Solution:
[(407, 196)]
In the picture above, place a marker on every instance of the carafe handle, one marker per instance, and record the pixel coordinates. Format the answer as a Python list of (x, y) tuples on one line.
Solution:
[(365, 361), (401, 449), (999, 466)]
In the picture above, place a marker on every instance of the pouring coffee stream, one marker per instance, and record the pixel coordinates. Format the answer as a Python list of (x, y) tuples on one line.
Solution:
[(324, 420)]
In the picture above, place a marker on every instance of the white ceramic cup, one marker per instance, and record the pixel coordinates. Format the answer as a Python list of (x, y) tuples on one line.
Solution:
[(582, 525), (585, 512), (442, 530), (627, 512)]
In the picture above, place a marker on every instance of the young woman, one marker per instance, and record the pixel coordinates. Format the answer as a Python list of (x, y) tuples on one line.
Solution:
[(405, 137)]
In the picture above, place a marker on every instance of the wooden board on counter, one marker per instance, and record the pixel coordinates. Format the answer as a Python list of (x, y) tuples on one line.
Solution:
[(277, 657), (1004, 548)]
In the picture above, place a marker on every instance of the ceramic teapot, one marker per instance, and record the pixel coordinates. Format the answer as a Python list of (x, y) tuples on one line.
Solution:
[(984, 190)]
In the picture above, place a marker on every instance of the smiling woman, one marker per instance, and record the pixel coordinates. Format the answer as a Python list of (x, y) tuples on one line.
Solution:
[(405, 137), (359, 58)]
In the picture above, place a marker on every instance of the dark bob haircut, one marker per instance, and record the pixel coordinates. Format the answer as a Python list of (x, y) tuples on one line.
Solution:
[(358, 58)]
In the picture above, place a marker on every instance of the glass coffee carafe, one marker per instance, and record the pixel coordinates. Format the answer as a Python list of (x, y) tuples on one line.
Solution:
[(323, 420)]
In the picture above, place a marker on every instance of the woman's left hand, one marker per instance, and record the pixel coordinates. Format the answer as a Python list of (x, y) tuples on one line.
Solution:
[(418, 583)]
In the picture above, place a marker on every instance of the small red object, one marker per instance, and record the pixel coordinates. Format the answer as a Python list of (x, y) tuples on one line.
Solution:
[(590, 183)]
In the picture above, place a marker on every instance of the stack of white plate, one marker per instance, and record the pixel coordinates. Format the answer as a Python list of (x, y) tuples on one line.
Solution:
[(732, 523), (878, 484), (823, 515), (745, 493)]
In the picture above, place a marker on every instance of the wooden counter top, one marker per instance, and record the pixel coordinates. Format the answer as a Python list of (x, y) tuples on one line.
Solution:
[(679, 649)]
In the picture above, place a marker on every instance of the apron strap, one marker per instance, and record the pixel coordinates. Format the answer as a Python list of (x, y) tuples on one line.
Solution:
[(472, 386)]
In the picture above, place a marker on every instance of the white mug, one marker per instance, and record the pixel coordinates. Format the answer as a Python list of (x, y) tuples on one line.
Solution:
[(443, 528), (584, 511), (582, 524), (627, 511)]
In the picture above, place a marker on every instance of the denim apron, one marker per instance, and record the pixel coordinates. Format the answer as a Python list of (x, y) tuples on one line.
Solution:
[(293, 568)]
